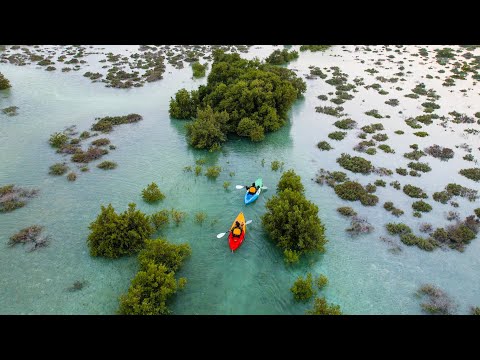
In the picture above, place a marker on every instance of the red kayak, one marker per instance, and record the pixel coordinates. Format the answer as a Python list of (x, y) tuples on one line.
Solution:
[(236, 241)]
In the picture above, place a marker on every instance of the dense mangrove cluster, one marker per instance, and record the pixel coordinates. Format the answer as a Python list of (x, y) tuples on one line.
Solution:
[(243, 97)]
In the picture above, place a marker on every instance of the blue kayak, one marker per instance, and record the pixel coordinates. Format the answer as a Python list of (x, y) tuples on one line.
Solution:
[(249, 198)]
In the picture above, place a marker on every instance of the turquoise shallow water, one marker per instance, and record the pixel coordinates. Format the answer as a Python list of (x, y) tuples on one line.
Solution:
[(365, 278)]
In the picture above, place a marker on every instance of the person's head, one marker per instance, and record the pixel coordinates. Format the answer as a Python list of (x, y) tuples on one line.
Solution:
[(237, 223), (253, 184)]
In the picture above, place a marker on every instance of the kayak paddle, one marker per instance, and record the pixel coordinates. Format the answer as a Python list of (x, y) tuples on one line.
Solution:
[(239, 187)]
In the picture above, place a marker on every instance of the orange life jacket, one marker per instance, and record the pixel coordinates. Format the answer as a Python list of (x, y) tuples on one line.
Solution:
[(237, 232), (252, 190)]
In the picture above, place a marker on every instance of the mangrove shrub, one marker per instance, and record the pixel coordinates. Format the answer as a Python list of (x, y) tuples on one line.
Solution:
[(199, 69), (149, 291), (183, 106), (160, 251), (472, 173), (280, 57), (302, 289), (160, 219), (290, 180), (57, 140), (292, 221), (107, 123), (4, 83), (107, 165), (113, 235), (321, 281), (152, 193), (208, 130), (355, 164), (321, 307)]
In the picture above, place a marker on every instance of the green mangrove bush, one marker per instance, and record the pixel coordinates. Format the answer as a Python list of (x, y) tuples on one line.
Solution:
[(322, 307), (337, 135), (199, 69), (321, 281), (107, 165), (238, 89), (113, 235), (58, 169), (152, 193), (346, 211), (160, 251), (291, 221), (149, 291), (4, 83), (472, 173), (281, 57), (57, 140), (302, 289), (355, 164), (414, 191), (107, 123), (324, 146), (421, 206)]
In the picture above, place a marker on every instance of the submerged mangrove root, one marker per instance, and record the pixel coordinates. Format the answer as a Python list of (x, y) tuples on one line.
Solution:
[(30, 235), (359, 225), (438, 301), (77, 286), (13, 197)]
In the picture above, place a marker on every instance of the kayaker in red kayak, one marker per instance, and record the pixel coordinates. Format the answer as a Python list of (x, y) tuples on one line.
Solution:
[(237, 229)]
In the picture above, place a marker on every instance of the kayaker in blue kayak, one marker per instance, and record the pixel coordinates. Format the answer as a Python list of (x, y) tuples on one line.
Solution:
[(252, 189)]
